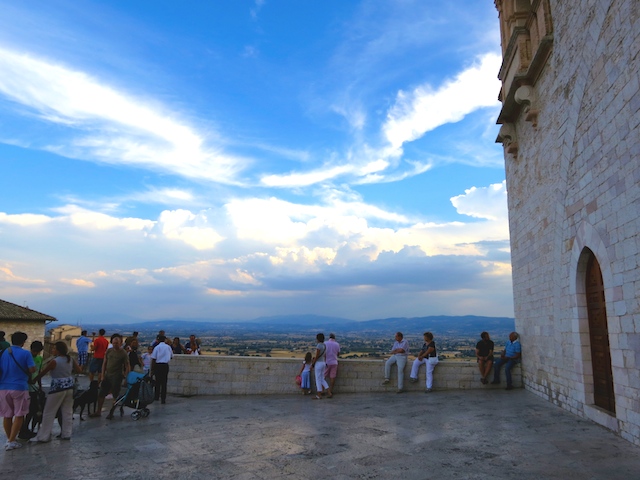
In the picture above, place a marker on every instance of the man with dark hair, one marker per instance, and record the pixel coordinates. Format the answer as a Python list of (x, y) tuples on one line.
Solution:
[(160, 358), (115, 368), (82, 345), (99, 347), (3, 343), (16, 365)]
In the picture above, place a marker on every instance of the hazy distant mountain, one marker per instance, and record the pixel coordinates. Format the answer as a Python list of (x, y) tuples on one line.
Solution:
[(439, 325)]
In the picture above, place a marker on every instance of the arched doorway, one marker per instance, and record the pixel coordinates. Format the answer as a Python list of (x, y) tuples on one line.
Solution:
[(599, 335)]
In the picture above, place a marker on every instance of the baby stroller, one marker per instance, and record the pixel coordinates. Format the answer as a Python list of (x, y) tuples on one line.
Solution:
[(139, 394)]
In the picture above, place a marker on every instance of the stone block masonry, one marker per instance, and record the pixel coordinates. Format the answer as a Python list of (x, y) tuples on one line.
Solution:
[(215, 375)]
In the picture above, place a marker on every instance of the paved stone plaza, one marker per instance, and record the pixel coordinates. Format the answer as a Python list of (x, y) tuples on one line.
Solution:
[(447, 434)]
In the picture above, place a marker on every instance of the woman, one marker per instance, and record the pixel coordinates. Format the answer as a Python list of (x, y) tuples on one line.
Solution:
[(484, 354), (319, 364), (177, 346), (60, 393), (134, 356)]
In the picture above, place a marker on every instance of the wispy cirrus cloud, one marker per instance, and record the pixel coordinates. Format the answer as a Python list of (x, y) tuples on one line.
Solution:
[(425, 108), (107, 125)]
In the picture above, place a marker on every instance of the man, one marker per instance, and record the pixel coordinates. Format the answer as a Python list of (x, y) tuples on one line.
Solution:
[(332, 352), (3, 343), (115, 368), (192, 347), (99, 347), (157, 340), (82, 345), (510, 357), (160, 358), (399, 354), (16, 365)]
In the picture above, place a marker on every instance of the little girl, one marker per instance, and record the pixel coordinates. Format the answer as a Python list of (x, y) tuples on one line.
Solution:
[(305, 372), (146, 359)]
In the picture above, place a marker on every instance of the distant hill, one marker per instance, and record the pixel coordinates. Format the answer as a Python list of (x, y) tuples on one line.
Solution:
[(468, 325)]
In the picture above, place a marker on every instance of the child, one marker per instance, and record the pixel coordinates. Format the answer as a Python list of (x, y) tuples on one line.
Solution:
[(146, 359), (305, 373)]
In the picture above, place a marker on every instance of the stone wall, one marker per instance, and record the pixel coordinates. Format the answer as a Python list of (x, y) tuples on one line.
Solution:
[(33, 329), (215, 375), (574, 183)]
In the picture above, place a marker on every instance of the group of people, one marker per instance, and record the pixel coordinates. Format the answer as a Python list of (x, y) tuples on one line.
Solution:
[(325, 362), (21, 372)]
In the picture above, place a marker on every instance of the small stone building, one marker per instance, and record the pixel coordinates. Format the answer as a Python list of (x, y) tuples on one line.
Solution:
[(570, 130), (65, 333), (15, 318)]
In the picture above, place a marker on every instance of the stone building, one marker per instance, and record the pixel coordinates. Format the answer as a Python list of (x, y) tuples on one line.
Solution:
[(570, 130), (65, 333), (15, 318)]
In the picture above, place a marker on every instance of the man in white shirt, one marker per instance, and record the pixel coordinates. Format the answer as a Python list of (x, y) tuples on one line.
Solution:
[(160, 358), (333, 350), (399, 357)]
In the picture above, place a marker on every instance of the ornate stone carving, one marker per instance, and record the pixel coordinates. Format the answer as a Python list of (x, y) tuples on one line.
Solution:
[(508, 138), (526, 96)]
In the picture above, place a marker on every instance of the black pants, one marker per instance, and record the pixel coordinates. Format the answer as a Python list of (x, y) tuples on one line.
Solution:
[(161, 372)]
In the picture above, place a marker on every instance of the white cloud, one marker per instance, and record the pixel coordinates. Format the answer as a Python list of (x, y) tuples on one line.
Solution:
[(189, 228), (484, 202), (123, 129), (425, 109)]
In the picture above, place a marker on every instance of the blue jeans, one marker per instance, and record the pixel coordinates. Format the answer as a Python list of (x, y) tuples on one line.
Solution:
[(508, 365)]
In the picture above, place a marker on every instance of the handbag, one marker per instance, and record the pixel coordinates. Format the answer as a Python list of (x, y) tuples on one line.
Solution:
[(299, 379), (433, 360), (60, 384)]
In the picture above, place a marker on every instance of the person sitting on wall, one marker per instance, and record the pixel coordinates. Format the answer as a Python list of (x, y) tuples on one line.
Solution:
[(399, 353), (484, 354), (510, 356), (192, 347)]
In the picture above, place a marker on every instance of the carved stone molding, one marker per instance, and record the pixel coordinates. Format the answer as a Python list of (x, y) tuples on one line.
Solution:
[(527, 39), (508, 138), (526, 96)]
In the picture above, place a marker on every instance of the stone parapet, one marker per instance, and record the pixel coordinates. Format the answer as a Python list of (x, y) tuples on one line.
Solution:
[(217, 375)]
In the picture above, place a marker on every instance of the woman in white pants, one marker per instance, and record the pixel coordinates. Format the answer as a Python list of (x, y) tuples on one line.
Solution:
[(319, 365), (428, 351), (60, 394)]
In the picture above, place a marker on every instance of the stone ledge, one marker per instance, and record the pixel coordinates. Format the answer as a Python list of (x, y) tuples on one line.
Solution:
[(216, 375)]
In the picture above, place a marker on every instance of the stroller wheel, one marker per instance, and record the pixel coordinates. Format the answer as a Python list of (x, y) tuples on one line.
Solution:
[(145, 412), (136, 415)]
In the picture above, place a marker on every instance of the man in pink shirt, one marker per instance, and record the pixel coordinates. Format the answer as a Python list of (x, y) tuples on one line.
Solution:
[(333, 350)]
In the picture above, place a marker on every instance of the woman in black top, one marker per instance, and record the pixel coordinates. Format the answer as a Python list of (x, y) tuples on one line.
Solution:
[(484, 353)]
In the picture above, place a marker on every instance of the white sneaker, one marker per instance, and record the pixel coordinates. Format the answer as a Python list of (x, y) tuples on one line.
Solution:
[(12, 445)]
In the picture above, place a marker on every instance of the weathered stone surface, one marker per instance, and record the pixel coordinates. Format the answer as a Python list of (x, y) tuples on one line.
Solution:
[(574, 184)]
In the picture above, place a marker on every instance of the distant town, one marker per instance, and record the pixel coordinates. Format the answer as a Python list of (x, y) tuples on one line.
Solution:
[(292, 337)]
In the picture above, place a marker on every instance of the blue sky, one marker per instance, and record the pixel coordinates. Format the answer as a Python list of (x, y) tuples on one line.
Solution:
[(229, 160)]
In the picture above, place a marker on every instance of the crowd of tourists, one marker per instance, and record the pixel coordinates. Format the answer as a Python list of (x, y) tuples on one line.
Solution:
[(22, 370), (21, 373)]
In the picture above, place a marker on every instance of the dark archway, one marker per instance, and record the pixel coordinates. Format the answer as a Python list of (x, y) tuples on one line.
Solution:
[(604, 396)]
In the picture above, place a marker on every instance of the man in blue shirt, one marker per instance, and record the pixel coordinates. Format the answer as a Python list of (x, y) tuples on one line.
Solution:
[(510, 357), (16, 366), (82, 344)]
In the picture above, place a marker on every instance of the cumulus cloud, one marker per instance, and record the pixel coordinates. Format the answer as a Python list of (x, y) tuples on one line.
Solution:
[(484, 202), (108, 125)]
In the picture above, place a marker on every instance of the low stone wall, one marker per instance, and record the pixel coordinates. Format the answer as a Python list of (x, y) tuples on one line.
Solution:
[(215, 375)]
